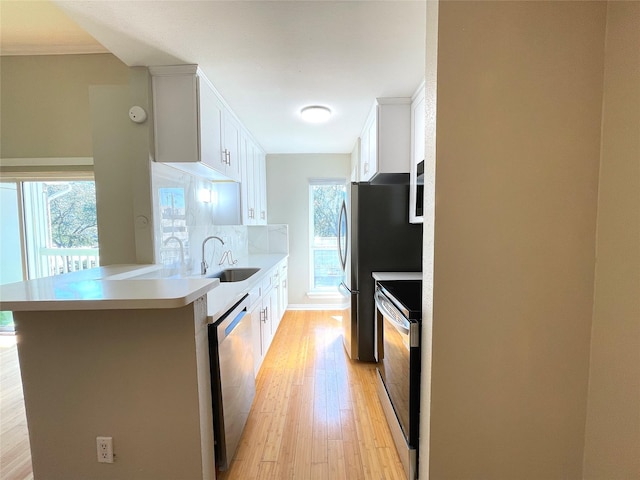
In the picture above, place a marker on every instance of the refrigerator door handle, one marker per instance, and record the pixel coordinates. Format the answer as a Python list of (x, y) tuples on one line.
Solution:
[(346, 290), (341, 253)]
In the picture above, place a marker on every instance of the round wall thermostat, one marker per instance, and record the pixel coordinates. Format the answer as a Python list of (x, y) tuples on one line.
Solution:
[(137, 114)]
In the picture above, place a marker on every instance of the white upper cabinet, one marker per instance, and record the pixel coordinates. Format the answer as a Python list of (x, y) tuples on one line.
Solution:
[(385, 141), (254, 188), (193, 128), (231, 146), (417, 156), (209, 129), (355, 161), (248, 196), (261, 161)]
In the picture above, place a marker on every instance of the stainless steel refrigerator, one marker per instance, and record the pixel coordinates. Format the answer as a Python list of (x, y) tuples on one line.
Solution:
[(374, 234)]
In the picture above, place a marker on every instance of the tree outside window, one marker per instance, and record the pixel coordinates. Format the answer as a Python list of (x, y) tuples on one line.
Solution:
[(72, 214), (326, 197)]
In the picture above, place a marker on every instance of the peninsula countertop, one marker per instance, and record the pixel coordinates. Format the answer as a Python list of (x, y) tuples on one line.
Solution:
[(121, 287), (101, 288)]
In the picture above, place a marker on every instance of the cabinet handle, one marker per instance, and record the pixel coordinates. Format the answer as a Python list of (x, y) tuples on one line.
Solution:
[(226, 157), (262, 215), (263, 315), (251, 213)]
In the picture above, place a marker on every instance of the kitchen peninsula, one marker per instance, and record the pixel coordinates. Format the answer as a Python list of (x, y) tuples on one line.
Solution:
[(121, 352)]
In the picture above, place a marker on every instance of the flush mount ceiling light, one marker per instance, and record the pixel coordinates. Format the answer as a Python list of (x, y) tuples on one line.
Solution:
[(315, 114)]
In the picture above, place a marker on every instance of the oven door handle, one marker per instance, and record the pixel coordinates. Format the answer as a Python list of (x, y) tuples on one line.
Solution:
[(391, 313)]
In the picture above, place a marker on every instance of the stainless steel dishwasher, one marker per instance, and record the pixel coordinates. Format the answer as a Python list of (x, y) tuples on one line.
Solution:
[(233, 385)]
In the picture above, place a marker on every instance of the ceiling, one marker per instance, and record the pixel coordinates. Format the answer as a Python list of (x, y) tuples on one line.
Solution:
[(268, 59)]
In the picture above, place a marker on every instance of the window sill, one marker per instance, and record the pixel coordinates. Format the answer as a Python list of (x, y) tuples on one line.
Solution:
[(321, 294)]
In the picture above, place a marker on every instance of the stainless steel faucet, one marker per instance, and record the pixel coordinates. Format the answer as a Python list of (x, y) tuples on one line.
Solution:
[(203, 264)]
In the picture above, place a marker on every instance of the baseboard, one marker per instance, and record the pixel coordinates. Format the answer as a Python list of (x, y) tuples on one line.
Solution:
[(316, 306)]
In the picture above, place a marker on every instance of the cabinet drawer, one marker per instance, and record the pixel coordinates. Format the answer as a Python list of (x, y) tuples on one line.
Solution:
[(255, 294)]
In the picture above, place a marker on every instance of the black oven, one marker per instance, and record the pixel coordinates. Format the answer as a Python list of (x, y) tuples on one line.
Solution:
[(398, 317)]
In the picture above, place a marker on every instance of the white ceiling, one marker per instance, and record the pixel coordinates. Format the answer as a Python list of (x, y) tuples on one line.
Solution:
[(268, 59)]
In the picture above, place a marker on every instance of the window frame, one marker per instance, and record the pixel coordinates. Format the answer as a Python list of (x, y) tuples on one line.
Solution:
[(22, 177)]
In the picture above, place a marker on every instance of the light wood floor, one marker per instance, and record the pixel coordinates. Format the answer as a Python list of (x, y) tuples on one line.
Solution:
[(15, 456), (316, 414)]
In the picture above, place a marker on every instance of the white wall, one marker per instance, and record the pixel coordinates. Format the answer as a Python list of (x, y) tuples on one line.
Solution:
[(519, 100), (288, 203), (612, 444), (122, 168), (45, 102)]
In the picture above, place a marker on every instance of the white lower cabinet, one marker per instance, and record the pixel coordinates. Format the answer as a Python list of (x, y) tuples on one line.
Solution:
[(269, 318), (266, 311), (283, 293)]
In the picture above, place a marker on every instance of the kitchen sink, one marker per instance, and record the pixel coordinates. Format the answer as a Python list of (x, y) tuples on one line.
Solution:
[(233, 274)]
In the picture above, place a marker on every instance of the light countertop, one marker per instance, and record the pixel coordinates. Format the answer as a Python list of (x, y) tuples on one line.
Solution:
[(397, 275), (120, 287), (227, 294)]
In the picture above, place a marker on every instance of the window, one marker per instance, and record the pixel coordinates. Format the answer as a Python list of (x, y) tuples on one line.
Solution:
[(325, 199), (49, 227)]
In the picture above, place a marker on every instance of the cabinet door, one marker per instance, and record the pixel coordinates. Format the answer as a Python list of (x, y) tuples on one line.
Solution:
[(417, 128), (210, 110), (254, 186), (266, 321), (231, 150), (355, 161), (283, 300), (256, 330), (364, 155), (277, 307), (175, 105), (244, 182), (270, 303), (261, 190), (368, 147), (248, 182)]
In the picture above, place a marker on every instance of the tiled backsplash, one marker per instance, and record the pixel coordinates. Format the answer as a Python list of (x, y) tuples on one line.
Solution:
[(187, 209)]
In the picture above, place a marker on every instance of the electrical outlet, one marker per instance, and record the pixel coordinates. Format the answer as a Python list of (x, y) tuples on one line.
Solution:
[(105, 449)]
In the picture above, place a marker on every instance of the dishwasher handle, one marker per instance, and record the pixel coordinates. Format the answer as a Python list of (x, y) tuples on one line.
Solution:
[(230, 319)]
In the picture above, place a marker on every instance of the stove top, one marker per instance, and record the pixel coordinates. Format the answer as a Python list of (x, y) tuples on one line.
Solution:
[(407, 294)]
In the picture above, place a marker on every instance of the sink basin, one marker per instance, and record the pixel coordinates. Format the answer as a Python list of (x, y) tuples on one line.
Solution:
[(233, 274)]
